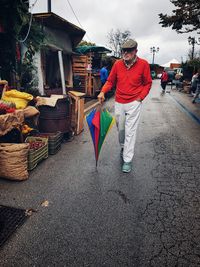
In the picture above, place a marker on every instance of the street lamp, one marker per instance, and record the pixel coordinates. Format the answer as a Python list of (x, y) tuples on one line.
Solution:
[(192, 41), (153, 51)]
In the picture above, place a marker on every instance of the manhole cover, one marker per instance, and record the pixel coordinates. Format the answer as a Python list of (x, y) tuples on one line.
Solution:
[(10, 220)]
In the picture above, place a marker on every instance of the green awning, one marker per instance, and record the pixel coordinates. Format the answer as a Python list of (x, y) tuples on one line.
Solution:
[(86, 49)]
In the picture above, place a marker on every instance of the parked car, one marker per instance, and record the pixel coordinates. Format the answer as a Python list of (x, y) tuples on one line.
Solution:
[(171, 75)]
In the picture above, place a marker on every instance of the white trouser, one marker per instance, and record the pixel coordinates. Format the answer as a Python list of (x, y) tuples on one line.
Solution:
[(127, 118)]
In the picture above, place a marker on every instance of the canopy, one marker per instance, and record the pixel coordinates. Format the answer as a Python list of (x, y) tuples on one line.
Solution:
[(172, 61), (86, 49), (61, 26)]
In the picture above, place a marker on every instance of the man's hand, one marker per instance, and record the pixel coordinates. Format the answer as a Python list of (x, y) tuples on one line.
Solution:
[(101, 97)]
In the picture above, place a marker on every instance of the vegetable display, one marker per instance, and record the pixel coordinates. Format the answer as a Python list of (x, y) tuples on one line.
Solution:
[(6, 107), (36, 144)]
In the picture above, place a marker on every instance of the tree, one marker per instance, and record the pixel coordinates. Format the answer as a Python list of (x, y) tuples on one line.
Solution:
[(13, 16), (15, 21), (83, 42), (116, 38), (185, 17), (190, 67), (27, 71), (193, 55)]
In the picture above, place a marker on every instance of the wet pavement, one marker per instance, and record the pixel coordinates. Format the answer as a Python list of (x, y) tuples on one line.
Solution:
[(150, 217)]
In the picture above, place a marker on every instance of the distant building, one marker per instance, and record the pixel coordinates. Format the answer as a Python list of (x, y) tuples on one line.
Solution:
[(173, 63), (55, 56)]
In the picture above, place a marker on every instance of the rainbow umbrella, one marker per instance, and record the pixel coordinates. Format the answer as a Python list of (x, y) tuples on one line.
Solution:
[(99, 123)]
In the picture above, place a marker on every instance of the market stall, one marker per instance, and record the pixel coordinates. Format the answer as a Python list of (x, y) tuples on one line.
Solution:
[(41, 123), (86, 69), (17, 151)]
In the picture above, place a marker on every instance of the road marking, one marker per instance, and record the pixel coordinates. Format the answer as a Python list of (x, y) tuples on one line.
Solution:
[(187, 111)]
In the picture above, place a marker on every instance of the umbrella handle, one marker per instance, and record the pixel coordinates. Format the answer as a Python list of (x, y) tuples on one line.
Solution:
[(99, 107)]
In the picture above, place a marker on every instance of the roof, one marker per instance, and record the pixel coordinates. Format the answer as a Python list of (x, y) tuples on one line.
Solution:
[(172, 61), (89, 48), (54, 21)]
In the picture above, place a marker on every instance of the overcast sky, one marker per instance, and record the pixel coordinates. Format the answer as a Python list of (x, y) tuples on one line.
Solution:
[(140, 17)]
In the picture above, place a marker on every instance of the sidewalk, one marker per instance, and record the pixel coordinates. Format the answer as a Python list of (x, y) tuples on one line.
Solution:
[(186, 100)]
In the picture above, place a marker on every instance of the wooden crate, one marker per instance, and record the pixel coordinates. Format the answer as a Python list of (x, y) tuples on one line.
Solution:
[(77, 118), (82, 68)]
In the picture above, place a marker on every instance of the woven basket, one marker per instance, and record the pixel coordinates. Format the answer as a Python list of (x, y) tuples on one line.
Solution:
[(13, 161)]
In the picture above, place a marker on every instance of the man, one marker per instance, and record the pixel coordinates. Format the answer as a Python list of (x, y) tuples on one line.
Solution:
[(132, 78), (103, 74), (197, 91), (164, 80), (193, 83)]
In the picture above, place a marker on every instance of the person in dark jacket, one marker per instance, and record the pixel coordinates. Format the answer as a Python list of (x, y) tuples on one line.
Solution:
[(197, 92), (194, 83), (103, 74)]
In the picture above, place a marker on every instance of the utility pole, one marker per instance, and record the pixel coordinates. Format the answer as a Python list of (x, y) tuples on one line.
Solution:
[(49, 6), (153, 51), (192, 41)]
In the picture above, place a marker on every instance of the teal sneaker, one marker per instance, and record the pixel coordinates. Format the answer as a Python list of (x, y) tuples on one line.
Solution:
[(126, 167)]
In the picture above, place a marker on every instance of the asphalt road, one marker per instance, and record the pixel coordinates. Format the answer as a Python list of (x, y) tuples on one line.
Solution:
[(150, 217)]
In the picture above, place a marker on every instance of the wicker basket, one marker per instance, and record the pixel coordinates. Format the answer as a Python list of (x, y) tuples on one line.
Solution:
[(37, 155), (13, 161)]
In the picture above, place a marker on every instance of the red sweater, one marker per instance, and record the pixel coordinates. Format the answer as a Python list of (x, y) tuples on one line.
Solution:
[(131, 84), (164, 77)]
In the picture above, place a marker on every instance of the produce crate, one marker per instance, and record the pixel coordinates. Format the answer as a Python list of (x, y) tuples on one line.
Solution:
[(36, 155), (54, 141)]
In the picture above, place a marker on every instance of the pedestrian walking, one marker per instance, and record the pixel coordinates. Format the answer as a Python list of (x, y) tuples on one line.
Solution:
[(197, 92), (193, 84), (132, 78), (178, 81), (164, 80), (104, 73)]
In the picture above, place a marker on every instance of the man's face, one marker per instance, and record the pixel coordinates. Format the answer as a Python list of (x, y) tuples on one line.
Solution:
[(129, 54)]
